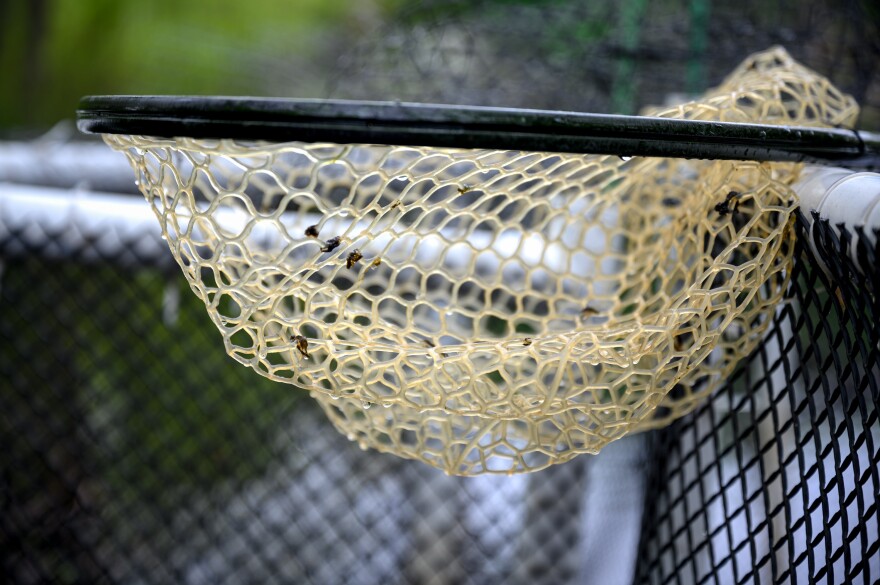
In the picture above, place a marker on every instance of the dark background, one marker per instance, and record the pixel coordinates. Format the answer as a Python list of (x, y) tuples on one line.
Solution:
[(562, 54)]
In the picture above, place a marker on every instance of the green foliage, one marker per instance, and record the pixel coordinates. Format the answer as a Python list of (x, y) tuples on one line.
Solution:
[(81, 47)]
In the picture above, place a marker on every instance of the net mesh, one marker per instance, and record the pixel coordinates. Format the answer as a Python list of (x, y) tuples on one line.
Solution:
[(491, 311)]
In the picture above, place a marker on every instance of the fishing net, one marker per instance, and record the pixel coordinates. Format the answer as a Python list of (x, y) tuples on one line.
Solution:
[(483, 310)]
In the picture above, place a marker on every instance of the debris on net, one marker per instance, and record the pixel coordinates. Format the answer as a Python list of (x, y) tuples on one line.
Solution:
[(491, 311)]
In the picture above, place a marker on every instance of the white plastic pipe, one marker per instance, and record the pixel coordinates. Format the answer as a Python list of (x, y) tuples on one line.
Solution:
[(79, 221), (110, 220), (65, 164), (842, 197), (839, 195)]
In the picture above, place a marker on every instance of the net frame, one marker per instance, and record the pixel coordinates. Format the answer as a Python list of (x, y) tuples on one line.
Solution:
[(473, 127)]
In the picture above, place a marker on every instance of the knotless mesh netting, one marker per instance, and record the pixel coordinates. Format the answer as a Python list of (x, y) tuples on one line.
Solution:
[(491, 311)]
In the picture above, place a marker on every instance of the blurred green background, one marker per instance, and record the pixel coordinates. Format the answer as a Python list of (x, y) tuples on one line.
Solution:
[(54, 51), (571, 54)]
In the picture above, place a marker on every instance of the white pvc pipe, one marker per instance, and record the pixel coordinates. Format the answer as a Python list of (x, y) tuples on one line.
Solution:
[(66, 164), (842, 197), (112, 220), (839, 195), (80, 220)]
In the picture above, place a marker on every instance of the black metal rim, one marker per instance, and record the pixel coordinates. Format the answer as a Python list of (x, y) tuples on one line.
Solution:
[(414, 124)]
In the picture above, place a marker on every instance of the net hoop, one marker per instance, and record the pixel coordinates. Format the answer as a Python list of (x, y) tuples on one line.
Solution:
[(445, 285), (473, 127)]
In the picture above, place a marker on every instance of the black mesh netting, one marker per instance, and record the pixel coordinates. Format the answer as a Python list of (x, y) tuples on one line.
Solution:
[(135, 451), (776, 479)]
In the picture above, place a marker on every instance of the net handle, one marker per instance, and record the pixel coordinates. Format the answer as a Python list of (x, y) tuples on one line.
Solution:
[(412, 124)]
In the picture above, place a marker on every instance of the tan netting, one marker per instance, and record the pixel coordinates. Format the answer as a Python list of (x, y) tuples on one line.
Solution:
[(490, 311)]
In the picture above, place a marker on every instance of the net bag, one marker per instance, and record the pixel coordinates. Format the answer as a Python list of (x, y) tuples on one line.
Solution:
[(483, 310)]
